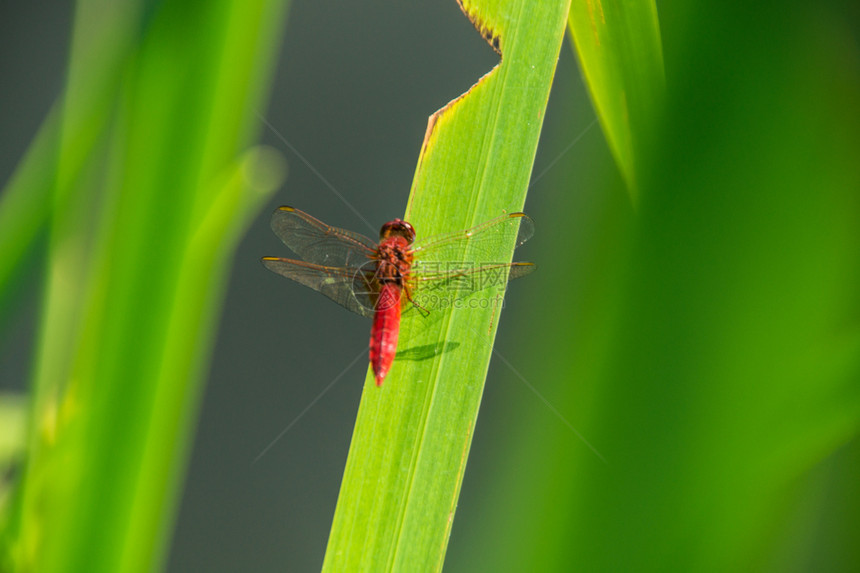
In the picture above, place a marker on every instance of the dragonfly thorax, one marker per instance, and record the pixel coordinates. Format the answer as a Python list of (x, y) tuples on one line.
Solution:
[(393, 259)]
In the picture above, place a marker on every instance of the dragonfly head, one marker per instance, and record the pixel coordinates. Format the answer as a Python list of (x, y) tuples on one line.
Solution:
[(398, 228)]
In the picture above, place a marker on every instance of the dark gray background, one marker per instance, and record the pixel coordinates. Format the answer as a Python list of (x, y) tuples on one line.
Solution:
[(352, 92)]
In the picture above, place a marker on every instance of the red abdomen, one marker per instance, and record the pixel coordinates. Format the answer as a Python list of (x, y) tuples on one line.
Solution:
[(386, 327)]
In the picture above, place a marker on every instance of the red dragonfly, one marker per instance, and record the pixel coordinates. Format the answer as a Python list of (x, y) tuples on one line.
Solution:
[(376, 279)]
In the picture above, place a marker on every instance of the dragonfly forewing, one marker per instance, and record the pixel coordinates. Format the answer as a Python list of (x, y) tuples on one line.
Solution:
[(476, 246), (318, 243)]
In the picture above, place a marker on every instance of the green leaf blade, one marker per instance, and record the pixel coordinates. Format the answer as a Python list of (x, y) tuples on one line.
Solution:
[(412, 436)]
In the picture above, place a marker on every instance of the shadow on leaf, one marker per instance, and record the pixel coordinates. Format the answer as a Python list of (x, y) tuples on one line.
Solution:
[(426, 351)]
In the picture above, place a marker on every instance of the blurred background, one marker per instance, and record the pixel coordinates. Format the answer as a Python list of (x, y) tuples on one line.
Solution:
[(674, 388)]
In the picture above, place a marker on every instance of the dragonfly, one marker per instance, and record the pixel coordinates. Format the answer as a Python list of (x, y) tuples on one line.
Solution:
[(381, 279)]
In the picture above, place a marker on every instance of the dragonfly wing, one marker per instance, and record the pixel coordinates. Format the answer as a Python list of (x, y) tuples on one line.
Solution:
[(442, 291), (474, 252), (456, 266), (315, 242), (353, 289), (476, 246), (467, 280)]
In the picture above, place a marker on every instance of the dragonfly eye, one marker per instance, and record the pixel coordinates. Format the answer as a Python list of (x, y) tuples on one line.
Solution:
[(397, 227)]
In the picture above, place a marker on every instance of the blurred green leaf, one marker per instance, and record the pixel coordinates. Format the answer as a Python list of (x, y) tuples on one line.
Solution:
[(67, 145), (726, 399), (154, 182), (618, 44), (12, 423)]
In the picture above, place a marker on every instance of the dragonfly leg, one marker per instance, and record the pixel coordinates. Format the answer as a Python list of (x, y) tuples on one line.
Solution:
[(424, 312)]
